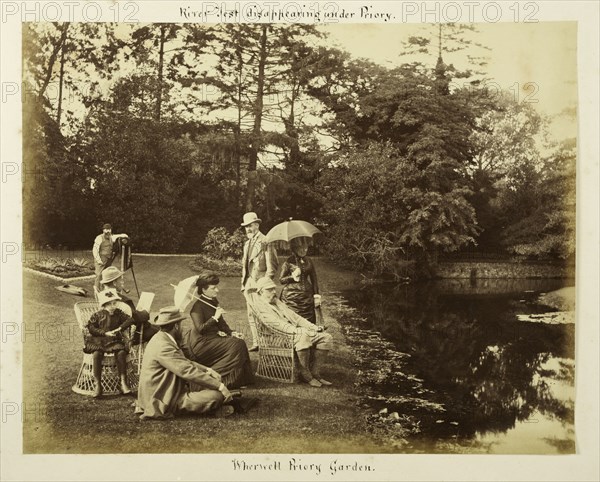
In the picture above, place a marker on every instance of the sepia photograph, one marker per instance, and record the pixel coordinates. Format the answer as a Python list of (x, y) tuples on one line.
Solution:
[(299, 229)]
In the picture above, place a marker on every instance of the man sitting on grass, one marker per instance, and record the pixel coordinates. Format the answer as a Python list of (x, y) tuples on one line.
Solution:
[(307, 336), (162, 391)]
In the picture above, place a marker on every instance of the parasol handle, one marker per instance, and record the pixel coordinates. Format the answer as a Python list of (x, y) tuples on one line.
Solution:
[(199, 299)]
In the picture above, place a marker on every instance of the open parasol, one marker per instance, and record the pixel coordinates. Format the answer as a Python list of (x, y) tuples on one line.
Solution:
[(186, 293), (288, 230)]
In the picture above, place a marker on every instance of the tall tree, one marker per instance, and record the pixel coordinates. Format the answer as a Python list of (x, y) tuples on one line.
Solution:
[(506, 147), (154, 48), (447, 42), (68, 55), (256, 69), (537, 205), (140, 173), (428, 130), (338, 84), (381, 211), (55, 187), (257, 111)]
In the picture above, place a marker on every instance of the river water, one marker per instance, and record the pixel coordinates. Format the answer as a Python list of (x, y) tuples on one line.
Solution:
[(472, 375)]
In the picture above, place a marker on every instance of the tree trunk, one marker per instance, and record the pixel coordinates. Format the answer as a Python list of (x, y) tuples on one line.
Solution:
[(291, 130), (294, 156), (60, 81), (238, 133), (52, 60), (161, 55), (256, 131)]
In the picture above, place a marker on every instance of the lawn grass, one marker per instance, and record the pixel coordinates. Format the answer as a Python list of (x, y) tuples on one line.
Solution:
[(290, 418)]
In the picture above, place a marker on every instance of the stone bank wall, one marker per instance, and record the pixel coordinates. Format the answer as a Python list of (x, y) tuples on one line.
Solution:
[(479, 270)]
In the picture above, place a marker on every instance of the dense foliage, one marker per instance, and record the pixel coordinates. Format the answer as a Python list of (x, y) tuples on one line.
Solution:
[(168, 131), (220, 244)]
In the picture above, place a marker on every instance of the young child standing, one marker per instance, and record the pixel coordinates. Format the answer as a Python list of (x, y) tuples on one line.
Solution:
[(105, 335)]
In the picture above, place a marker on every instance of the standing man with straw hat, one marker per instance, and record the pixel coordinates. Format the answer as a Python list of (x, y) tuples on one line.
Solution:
[(162, 390), (259, 260)]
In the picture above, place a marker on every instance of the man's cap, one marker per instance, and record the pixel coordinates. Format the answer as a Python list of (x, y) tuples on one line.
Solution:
[(107, 226)]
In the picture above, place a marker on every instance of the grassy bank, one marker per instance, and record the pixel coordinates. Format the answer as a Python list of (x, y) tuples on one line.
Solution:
[(290, 418), (562, 299)]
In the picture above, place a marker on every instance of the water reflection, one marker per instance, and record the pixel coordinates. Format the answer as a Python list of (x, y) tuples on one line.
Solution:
[(494, 375)]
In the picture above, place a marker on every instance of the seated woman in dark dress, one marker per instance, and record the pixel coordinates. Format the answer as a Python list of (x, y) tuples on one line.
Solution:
[(210, 342), (299, 279)]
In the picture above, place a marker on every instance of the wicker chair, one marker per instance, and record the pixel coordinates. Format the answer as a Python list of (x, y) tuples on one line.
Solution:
[(85, 383), (276, 355)]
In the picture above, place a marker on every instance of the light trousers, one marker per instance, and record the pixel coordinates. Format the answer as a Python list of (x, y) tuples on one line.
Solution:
[(203, 401)]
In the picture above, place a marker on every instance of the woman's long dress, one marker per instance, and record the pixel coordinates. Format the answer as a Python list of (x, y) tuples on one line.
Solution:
[(226, 355), (299, 295)]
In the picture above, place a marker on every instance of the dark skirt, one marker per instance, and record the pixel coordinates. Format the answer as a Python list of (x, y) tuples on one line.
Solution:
[(105, 344), (226, 355), (300, 301)]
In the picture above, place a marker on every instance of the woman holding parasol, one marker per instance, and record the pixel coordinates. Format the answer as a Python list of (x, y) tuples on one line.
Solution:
[(299, 279), (298, 275)]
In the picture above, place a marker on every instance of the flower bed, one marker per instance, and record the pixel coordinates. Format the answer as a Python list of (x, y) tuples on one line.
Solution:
[(64, 268)]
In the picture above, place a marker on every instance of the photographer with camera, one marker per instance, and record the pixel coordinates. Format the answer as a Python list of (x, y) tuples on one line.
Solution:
[(103, 252)]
